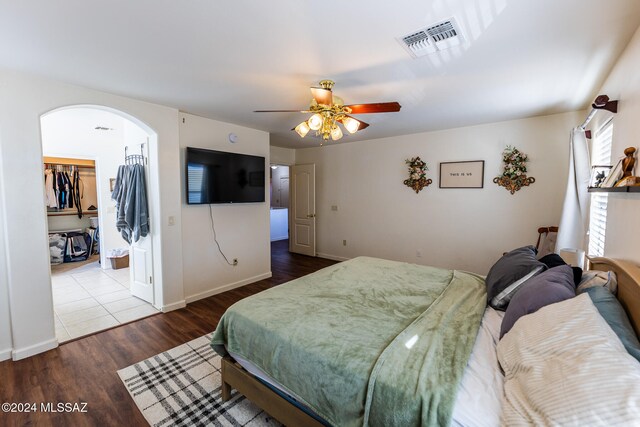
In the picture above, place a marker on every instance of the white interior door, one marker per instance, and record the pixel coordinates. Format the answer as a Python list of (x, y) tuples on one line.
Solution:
[(302, 229), (141, 253), (284, 192)]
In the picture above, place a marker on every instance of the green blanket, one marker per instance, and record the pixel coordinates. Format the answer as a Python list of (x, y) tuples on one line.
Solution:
[(363, 342)]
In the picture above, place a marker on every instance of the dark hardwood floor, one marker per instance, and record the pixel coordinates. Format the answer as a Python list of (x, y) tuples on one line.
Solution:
[(85, 370)]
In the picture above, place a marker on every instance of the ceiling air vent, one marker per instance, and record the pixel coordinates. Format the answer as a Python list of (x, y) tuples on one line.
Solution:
[(442, 35), (418, 44)]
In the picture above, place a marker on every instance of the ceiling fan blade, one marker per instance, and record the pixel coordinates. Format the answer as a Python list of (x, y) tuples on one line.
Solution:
[(362, 124), (282, 111), (379, 107), (322, 96)]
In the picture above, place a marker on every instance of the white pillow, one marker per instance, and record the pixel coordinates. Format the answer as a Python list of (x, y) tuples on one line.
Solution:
[(548, 245), (565, 366), (593, 278)]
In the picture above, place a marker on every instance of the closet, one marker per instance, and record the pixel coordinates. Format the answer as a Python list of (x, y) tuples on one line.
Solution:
[(71, 198)]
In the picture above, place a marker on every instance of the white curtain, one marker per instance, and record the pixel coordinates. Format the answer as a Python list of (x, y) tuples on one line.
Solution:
[(574, 223)]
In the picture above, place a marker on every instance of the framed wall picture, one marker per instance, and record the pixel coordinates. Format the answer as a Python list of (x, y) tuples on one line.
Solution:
[(599, 174), (468, 174)]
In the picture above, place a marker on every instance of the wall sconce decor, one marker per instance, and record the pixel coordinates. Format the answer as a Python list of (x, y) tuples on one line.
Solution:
[(417, 174), (514, 175)]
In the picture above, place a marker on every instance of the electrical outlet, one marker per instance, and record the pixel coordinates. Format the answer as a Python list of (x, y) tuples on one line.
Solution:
[(344, 243), (235, 262), (418, 254)]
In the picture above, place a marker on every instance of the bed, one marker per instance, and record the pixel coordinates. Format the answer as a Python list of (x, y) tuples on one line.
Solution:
[(316, 351)]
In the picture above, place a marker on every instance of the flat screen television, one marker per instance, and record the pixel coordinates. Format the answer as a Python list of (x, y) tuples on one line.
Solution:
[(221, 177)]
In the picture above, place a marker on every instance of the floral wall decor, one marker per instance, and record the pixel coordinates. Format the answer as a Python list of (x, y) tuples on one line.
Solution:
[(417, 174), (514, 175)]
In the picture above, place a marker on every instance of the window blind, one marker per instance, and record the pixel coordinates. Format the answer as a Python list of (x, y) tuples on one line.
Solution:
[(601, 155)]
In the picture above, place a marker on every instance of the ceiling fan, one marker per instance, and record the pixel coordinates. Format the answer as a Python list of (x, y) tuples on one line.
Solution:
[(329, 110)]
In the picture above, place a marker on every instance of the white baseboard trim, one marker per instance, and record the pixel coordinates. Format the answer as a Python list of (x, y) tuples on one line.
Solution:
[(332, 257), (277, 238), (173, 306), (22, 353), (5, 354), (225, 288)]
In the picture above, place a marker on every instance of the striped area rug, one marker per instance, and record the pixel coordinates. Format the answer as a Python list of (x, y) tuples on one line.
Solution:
[(182, 387)]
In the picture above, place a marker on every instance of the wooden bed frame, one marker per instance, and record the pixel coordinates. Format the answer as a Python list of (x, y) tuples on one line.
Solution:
[(235, 377)]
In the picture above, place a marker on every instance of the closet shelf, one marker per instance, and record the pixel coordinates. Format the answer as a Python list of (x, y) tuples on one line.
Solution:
[(65, 213), (63, 161), (77, 166)]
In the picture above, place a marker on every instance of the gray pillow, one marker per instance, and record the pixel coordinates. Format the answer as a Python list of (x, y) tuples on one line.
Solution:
[(509, 273), (554, 285), (592, 278), (611, 310)]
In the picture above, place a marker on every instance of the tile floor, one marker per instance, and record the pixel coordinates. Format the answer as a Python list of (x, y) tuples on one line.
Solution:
[(89, 299)]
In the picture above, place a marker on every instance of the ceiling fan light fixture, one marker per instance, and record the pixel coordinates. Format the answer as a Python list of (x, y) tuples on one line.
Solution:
[(315, 121), (336, 133), (328, 111), (351, 124), (302, 129)]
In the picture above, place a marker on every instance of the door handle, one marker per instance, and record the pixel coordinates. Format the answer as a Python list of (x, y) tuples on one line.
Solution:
[(311, 215)]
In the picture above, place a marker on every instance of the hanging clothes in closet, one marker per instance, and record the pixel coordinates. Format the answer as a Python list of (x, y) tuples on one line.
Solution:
[(63, 190), (130, 195), (78, 195), (63, 187), (51, 199)]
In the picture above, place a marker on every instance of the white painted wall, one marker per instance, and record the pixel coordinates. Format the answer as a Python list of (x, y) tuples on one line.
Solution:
[(242, 229), (72, 133), (133, 135), (6, 344), (23, 99), (67, 222), (454, 228), (623, 83), (279, 219), (282, 156)]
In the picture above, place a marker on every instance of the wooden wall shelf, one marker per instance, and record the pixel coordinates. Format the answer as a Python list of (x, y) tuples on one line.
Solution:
[(629, 189)]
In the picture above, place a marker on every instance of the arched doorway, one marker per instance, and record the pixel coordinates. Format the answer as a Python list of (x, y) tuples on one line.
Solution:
[(96, 296)]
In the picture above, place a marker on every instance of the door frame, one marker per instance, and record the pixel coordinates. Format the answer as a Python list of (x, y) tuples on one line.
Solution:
[(271, 192), (152, 198)]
